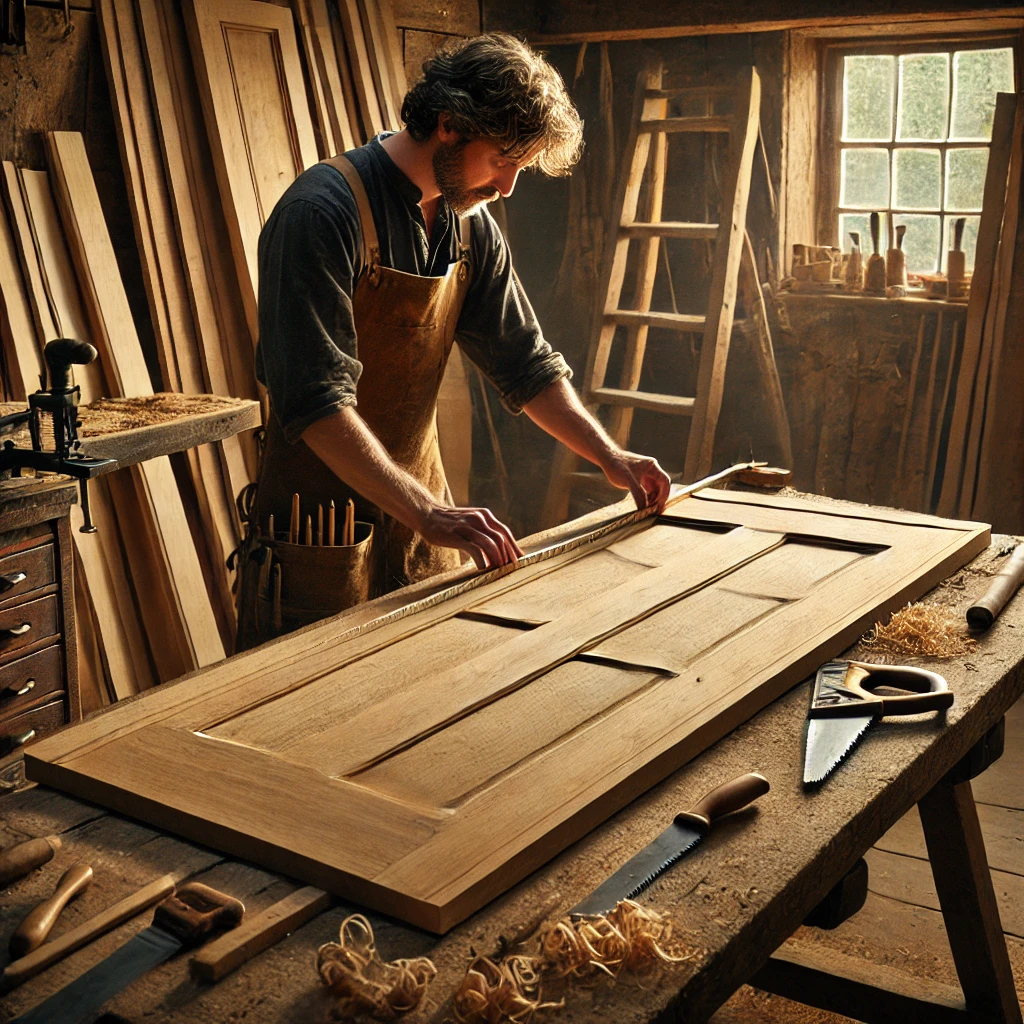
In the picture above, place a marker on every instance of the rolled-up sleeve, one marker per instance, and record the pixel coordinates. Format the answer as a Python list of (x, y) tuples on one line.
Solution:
[(498, 328), (307, 355)]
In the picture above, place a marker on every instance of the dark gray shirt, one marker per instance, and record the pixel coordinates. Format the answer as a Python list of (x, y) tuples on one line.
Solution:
[(310, 257)]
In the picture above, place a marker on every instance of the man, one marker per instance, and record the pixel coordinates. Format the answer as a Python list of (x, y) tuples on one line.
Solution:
[(370, 265)]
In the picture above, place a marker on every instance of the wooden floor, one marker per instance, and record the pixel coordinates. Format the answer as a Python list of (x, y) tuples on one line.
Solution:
[(900, 925)]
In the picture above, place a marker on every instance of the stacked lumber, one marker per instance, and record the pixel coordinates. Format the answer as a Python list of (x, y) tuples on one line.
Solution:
[(983, 474)]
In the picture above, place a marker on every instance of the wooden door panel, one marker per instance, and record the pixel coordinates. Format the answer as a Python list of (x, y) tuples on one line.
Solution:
[(423, 764), (250, 80)]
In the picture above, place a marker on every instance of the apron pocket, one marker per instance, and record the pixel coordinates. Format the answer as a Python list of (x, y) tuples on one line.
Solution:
[(317, 582)]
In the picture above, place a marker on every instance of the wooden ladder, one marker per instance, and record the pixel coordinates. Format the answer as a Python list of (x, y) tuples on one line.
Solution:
[(650, 128)]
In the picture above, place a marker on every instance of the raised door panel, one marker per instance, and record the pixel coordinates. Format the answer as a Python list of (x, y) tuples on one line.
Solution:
[(254, 102), (423, 767)]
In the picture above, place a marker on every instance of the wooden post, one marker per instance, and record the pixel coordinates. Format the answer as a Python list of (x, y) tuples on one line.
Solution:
[(956, 850)]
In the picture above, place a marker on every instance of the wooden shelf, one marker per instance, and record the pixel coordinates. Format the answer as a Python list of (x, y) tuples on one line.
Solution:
[(915, 302)]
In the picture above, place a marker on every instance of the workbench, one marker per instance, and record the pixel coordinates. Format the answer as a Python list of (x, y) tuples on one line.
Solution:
[(733, 902)]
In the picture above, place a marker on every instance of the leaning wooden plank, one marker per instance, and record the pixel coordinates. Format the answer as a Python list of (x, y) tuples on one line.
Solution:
[(166, 289), (326, 144), (722, 296), (373, 117), (163, 515), (343, 51), (124, 648), (221, 333), (993, 201), (396, 62), (254, 105), (380, 55), (21, 350), (329, 62), (520, 765)]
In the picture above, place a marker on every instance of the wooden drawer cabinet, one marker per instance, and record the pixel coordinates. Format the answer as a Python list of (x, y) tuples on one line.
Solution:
[(18, 730), (27, 681), (27, 624), (38, 653), (24, 571)]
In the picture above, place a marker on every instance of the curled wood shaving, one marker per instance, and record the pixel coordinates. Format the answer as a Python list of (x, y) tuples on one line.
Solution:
[(509, 990), (352, 969), (921, 631), (630, 937)]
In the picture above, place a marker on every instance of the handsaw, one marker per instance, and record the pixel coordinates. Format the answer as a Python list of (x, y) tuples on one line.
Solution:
[(848, 698)]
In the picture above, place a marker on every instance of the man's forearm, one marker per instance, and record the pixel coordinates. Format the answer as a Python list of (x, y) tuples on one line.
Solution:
[(558, 411), (353, 452)]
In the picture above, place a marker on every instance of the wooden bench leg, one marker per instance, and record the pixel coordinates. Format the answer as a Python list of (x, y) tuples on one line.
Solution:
[(956, 850)]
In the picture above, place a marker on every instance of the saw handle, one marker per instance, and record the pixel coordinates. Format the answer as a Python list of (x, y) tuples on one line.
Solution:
[(194, 911), (729, 797), (929, 691)]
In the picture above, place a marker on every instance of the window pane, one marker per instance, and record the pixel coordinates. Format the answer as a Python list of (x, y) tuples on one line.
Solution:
[(977, 76), (968, 243), (921, 243), (861, 223), (865, 178), (965, 178), (867, 98), (917, 179), (924, 95)]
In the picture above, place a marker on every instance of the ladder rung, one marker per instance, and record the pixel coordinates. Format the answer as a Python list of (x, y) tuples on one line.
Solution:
[(670, 229), (688, 124), (675, 405), (690, 90), (672, 321)]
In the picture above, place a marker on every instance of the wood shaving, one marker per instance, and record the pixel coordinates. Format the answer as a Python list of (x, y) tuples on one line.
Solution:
[(630, 937), (921, 631), (352, 969), (507, 990)]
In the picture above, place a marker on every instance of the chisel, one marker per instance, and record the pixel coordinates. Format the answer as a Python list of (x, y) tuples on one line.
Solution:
[(25, 857), (184, 919)]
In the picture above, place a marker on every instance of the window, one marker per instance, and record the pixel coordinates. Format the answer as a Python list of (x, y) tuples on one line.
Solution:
[(910, 126)]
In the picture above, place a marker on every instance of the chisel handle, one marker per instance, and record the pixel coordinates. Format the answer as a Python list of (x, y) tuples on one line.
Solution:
[(37, 924), (731, 797), (983, 612), (25, 857)]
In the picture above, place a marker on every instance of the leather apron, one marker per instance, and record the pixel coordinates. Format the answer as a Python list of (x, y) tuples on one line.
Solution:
[(405, 326)]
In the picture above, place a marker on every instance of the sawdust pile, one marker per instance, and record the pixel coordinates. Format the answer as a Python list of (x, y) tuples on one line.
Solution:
[(509, 990), (112, 415), (921, 631), (352, 970), (629, 938)]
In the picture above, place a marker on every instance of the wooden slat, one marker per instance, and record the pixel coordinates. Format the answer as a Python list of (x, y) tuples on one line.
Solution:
[(722, 296), (670, 229), (373, 118), (329, 64), (994, 198), (675, 405), (22, 356), (688, 124), (386, 64), (671, 321), (326, 144), (113, 333), (247, 66)]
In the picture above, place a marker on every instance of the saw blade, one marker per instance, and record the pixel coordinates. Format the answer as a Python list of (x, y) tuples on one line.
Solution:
[(638, 873), (829, 740)]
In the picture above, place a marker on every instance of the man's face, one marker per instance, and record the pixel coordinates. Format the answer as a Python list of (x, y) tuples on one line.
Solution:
[(471, 173)]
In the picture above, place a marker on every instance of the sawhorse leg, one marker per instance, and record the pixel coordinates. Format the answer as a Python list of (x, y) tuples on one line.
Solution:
[(877, 995)]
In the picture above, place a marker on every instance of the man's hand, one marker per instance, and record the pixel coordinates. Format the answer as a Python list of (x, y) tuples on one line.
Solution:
[(641, 476), (476, 531)]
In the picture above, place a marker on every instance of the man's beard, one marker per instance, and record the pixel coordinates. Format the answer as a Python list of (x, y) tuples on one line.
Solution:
[(447, 163)]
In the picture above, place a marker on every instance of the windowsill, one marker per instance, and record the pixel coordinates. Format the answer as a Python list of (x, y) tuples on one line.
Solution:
[(910, 301)]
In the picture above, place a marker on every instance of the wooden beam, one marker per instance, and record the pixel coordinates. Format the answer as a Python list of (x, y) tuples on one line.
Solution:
[(664, 19)]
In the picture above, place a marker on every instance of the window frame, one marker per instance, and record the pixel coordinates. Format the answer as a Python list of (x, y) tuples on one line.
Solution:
[(831, 113)]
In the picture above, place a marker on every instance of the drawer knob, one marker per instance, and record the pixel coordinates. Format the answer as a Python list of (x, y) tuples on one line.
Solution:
[(12, 691), (10, 634), (18, 739), (9, 580)]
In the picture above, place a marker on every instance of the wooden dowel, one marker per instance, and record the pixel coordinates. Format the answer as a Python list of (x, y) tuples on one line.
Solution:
[(309, 532), (319, 526), (270, 525), (350, 522), (293, 526), (330, 525), (276, 607)]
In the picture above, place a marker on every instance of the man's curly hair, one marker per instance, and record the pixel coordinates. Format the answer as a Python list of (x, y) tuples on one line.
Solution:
[(495, 87)]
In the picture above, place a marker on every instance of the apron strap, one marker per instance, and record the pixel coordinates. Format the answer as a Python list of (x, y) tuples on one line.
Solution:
[(464, 236), (371, 246)]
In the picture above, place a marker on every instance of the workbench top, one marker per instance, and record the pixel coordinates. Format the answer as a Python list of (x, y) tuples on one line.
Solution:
[(744, 891)]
